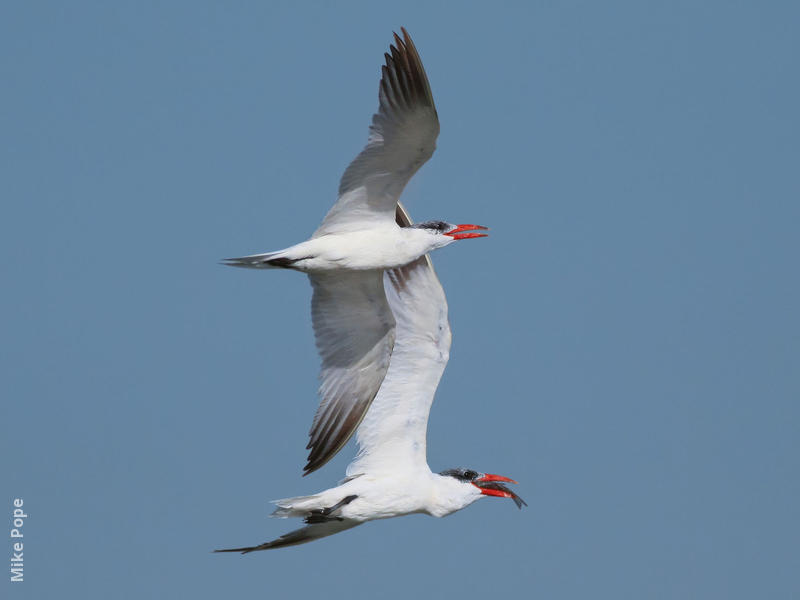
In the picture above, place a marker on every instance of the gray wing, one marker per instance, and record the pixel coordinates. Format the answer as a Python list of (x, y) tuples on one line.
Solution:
[(402, 138), (299, 536), (355, 332)]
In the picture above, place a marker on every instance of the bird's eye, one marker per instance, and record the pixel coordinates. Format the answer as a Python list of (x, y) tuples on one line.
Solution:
[(469, 474)]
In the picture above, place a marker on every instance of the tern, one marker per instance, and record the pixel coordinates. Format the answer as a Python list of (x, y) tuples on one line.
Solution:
[(358, 240), (390, 476)]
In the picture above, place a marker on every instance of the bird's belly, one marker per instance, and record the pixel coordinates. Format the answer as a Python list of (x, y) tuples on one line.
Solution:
[(381, 508), (361, 251), (381, 498)]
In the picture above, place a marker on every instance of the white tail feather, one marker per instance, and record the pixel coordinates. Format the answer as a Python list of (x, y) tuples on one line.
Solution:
[(299, 506), (256, 261)]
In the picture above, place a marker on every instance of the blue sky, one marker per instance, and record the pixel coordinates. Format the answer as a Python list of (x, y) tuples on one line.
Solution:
[(625, 343)]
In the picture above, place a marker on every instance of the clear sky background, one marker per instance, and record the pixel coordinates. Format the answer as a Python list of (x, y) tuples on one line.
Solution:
[(626, 343)]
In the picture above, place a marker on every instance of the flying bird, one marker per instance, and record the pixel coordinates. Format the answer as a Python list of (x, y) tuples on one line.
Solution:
[(358, 240), (390, 476)]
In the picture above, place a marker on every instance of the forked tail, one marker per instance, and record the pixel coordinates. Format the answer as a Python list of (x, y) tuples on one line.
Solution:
[(299, 506)]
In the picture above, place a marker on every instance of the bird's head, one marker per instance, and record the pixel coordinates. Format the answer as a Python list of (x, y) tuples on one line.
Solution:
[(473, 485), (446, 233)]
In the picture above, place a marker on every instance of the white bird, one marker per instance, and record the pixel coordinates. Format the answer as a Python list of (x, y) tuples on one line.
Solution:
[(390, 476), (346, 256)]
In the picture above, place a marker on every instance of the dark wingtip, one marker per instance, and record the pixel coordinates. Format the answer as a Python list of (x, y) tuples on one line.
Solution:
[(318, 459), (315, 461), (405, 76), (239, 550), (330, 436)]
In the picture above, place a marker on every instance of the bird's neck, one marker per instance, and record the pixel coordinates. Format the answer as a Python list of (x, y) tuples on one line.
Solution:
[(449, 495), (419, 242)]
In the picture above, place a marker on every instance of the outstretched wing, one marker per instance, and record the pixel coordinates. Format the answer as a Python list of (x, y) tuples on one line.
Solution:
[(299, 536), (354, 328), (393, 433), (402, 138)]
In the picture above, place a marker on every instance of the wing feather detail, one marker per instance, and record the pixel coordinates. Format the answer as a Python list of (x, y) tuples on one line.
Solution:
[(355, 333), (299, 536), (402, 137)]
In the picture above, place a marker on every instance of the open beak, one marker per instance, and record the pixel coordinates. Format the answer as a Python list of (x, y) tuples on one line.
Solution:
[(458, 235), (490, 485)]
